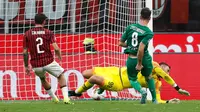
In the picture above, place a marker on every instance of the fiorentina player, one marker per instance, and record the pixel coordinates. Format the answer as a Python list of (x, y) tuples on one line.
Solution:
[(116, 79), (38, 41), (136, 39)]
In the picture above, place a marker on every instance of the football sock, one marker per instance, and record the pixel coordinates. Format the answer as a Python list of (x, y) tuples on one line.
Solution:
[(64, 92), (136, 86), (151, 86), (87, 85), (50, 92)]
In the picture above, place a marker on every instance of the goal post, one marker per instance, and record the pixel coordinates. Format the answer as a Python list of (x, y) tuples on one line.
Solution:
[(149, 4), (87, 31)]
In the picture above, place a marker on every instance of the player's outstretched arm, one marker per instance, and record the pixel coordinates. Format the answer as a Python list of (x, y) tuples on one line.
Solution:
[(57, 51), (164, 75), (158, 96), (170, 81)]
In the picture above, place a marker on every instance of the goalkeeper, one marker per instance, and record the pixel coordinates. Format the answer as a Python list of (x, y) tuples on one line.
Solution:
[(116, 79)]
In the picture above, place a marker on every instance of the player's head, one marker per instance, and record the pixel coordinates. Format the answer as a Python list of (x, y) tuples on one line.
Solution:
[(145, 14), (40, 19), (165, 67)]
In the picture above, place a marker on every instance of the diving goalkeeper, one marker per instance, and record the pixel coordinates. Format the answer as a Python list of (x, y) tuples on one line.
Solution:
[(116, 79)]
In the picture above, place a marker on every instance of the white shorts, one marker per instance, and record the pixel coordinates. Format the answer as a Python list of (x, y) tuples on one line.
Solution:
[(53, 68)]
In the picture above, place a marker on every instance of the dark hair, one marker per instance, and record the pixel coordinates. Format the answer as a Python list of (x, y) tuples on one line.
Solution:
[(163, 63), (40, 18), (146, 13)]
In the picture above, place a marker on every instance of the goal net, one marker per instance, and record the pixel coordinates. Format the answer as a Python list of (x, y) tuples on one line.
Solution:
[(87, 31)]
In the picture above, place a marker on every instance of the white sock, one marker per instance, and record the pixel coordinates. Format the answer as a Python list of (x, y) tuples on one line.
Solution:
[(65, 92), (50, 92)]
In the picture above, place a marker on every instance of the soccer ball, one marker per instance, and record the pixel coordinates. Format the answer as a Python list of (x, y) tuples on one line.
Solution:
[(97, 96)]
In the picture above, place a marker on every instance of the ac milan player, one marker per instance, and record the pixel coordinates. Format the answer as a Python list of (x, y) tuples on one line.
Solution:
[(38, 40)]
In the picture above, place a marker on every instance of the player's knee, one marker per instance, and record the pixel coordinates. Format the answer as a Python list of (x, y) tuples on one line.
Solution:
[(95, 79), (84, 73), (87, 73)]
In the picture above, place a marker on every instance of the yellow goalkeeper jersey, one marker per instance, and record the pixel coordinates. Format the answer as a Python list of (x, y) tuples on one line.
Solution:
[(157, 74), (121, 81)]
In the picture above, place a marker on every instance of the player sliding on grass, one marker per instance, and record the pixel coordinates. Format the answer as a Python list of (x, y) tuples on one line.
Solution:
[(38, 40), (116, 79)]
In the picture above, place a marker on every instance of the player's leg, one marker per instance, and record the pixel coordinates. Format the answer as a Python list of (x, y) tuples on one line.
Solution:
[(151, 85), (147, 73), (41, 74), (90, 83), (56, 70), (132, 75), (158, 87), (63, 87), (87, 73)]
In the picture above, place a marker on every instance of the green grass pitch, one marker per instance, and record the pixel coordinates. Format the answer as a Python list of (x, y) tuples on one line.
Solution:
[(97, 106)]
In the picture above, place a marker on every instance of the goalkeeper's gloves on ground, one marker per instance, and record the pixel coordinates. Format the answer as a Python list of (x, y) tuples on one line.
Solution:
[(183, 92), (174, 101)]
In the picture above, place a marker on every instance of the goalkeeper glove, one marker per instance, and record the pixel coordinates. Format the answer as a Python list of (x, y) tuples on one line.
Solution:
[(183, 92), (174, 101)]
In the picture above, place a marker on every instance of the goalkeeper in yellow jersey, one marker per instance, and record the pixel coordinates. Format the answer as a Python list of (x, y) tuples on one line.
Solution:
[(116, 79)]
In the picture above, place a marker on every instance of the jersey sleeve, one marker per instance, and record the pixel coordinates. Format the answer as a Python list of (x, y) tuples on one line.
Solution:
[(164, 75), (146, 39), (125, 35), (25, 42)]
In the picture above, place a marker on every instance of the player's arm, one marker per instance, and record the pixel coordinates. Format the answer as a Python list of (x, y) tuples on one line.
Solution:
[(25, 51), (165, 76), (170, 81), (122, 44), (142, 45), (57, 50), (140, 53), (55, 45), (123, 39), (158, 96), (25, 55)]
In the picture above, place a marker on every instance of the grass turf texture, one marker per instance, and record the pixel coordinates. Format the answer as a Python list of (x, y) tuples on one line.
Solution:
[(97, 106)]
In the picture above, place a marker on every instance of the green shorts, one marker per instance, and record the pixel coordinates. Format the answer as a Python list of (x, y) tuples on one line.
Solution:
[(146, 70)]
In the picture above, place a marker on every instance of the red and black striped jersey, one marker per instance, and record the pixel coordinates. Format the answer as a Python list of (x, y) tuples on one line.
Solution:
[(38, 40)]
